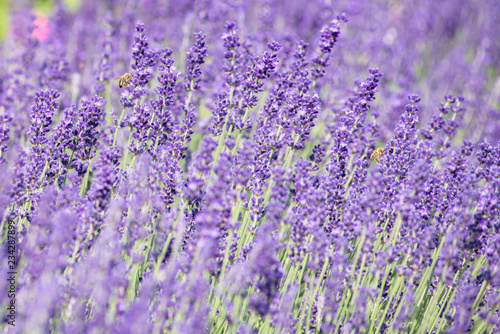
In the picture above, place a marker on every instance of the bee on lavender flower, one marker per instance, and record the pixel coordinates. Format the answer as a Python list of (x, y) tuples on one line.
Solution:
[(124, 80), (377, 154)]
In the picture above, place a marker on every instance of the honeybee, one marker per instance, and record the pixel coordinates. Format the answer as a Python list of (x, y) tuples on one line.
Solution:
[(124, 80), (377, 154)]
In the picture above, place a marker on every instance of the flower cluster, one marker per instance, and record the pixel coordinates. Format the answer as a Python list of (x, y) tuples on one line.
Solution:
[(259, 167)]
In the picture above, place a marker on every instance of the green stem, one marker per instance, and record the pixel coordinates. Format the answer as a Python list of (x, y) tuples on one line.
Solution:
[(118, 126), (83, 187), (125, 156)]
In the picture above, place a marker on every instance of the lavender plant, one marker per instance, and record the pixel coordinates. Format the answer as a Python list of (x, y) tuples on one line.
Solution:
[(263, 167)]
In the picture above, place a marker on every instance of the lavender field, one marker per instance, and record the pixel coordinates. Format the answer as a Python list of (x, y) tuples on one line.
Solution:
[(244, 167)]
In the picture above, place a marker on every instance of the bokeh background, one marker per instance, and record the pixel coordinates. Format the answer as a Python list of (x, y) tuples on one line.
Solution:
[(428, 47)]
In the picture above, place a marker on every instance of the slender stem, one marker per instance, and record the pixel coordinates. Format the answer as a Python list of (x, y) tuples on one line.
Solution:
[(83, 187), (118, 126)]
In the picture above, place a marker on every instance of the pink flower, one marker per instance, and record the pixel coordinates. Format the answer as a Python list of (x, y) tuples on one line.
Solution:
[(42, 29)]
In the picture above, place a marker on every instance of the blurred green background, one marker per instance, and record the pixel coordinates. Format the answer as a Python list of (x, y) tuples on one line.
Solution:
[(46, 6)]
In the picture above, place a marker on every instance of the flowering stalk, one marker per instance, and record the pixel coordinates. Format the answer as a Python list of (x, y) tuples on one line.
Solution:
[(258, 193)]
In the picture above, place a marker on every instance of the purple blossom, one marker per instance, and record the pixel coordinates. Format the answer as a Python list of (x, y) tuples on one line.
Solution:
[(195, 57), (106, 62), (329, 35), (252, 188)]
